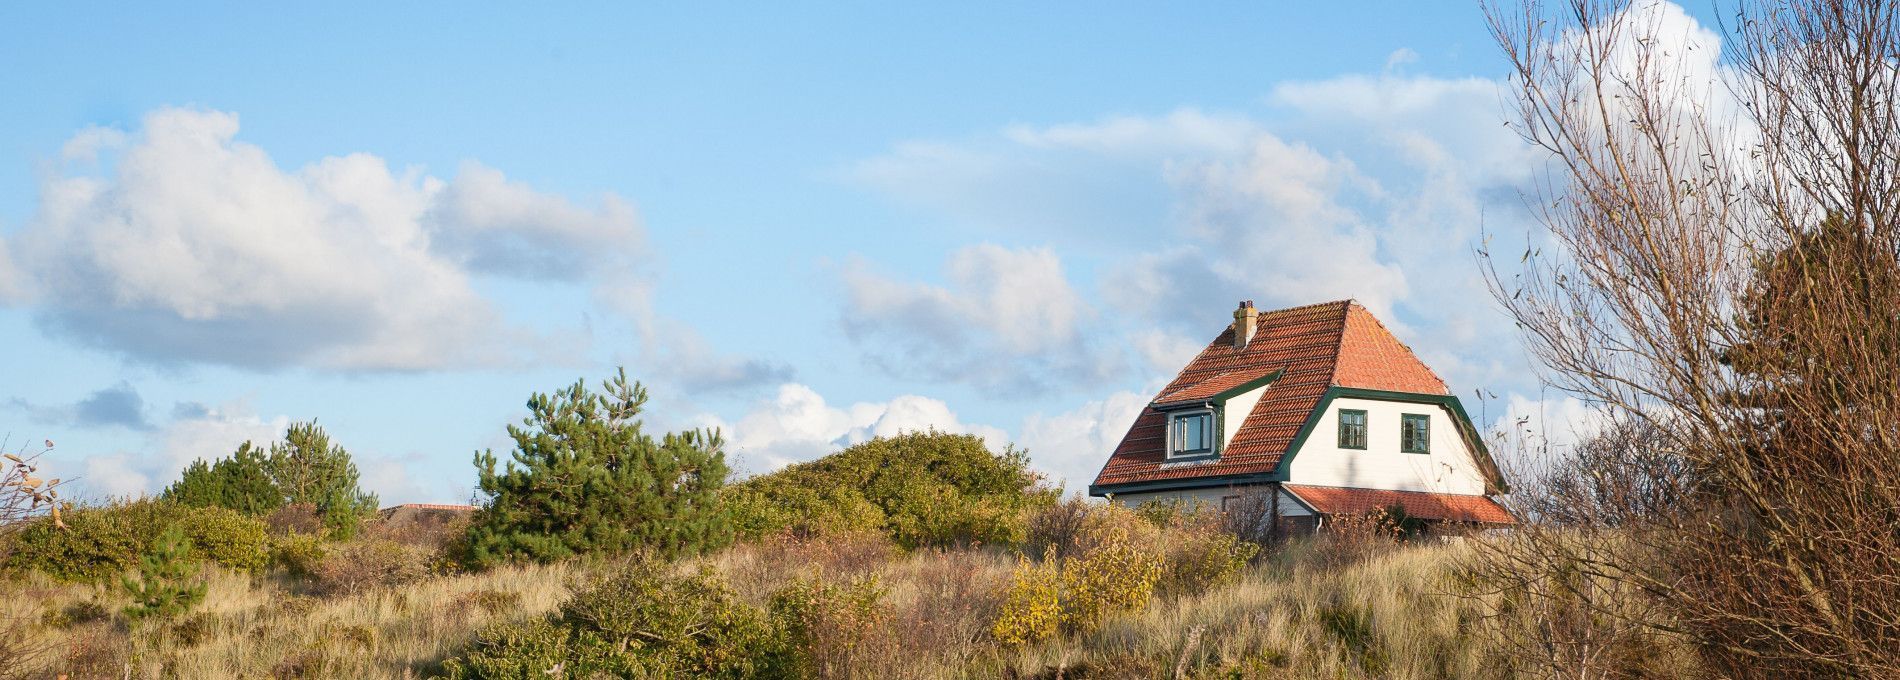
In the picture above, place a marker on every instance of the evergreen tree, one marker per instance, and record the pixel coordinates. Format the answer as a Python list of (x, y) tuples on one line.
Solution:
[(165, 586), (241, 482), (584, 477), (308, 468)]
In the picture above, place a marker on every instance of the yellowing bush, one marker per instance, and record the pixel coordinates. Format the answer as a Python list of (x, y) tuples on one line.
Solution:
[(228, 537), (1032, 606), (1117, 574)]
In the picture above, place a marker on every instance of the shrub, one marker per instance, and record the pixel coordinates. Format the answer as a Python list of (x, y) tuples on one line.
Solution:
[(833, 628), (1201, 554), (98, 542), (366, 564), (1116, 574), (1052, 531), (637, 622), (920, 488), (1032, 604), (295, 518), (585, 478), (227, 537), (300, 554), (166, 584)]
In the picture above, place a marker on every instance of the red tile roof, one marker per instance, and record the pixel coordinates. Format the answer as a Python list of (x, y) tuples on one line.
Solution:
[(1334, 500), (1314, 347)]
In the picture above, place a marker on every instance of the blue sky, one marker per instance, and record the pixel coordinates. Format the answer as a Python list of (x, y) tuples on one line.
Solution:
[(806, 226)]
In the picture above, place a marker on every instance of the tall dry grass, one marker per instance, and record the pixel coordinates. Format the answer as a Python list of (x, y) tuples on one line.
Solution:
[(256, 628)]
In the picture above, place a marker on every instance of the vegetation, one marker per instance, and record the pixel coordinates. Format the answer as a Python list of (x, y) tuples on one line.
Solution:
[(922, 489), (241, 482), (585, 478), (309, 469), (165, 586)]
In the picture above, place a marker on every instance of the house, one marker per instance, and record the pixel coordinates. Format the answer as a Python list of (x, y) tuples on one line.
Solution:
[(1319, 407)]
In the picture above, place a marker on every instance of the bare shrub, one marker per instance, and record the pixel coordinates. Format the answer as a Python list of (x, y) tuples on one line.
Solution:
[(371, 563), (295, 518), (1723, 274), (24, 496), (1053, 530)]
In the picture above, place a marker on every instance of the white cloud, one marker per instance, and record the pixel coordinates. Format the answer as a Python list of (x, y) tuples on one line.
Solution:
[(1556, 424), (197, 434), (1071, 447), (797, 425), (1007, 320), (197, 248)]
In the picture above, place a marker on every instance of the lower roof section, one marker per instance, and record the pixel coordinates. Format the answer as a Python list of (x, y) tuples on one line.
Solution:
[(1334, 500)]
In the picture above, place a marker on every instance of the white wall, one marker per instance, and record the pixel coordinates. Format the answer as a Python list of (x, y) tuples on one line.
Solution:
[(1207, 498), (1449, 468), (1236, 410)]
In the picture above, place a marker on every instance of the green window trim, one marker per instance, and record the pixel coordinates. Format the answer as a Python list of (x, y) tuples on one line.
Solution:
[(1415, 433), (1352, 429)]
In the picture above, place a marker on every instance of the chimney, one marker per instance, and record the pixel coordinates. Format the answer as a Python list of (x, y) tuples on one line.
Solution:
[(1244, 319)]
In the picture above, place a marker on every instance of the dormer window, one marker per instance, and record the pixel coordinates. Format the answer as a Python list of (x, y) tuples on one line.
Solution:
[(1190, 433)]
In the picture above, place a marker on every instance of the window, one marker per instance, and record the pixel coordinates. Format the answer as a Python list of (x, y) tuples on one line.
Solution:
[(1415, 433), (1352, 429), (1191, 433)]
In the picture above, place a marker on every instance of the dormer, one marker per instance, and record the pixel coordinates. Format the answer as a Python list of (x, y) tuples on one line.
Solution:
[(1202, 420)]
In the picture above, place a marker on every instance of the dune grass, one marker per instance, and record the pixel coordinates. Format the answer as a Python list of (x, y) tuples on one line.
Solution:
[(1393, 614)]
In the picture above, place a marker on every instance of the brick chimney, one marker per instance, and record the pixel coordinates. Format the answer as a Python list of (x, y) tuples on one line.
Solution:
[(1244, 320)]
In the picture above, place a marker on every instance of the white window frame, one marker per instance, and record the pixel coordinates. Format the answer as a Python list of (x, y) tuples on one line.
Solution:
[(1209, 433)]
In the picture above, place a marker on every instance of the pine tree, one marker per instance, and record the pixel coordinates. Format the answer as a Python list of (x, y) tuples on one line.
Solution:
[(165, 586), (584, 477), (308, 468), (241, 482)]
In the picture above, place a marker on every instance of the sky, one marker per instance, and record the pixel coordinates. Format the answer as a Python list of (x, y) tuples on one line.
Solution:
[(803, 225)]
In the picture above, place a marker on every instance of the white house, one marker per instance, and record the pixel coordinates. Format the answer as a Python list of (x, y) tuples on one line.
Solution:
[(1320, 406)]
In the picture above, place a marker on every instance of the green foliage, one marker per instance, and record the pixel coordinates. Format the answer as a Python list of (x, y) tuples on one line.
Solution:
[(298, 553), (1118, 573), (637, 623), (241, 482), (585, 478), (165, 586), (100, 542), (228, 537), (920, 488), (308, 468)]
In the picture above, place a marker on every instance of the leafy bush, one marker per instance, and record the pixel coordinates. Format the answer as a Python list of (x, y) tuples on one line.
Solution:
[(227, 537), (1202, 554), (1116, 574), (166, 584), (638, 622), (300, 554), (1032, 604), (366, 564), (920, 488), (831, 627), (584, 478), (100, 542)]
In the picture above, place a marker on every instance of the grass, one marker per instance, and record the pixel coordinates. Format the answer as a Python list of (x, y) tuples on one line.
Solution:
[(1295, 615)]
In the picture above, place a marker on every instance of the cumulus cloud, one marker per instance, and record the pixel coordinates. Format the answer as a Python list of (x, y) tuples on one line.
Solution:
[(190, 246), (208, 433), (1006, 320), (798, 425), (1071, 447), (1369, 187)]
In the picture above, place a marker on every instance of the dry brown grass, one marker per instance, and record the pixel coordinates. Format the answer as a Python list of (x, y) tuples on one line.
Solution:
[(253, 628), (1397, 614)]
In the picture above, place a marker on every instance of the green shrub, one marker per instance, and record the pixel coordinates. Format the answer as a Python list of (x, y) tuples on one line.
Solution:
[(241, 482), (921, 489), (166, 585), (1117, 574), (101, 542), (298, 553), (585, 478), (639, 623), (228, 537)]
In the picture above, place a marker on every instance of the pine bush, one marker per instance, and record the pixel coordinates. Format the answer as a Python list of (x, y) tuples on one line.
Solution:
[(166, 584), (585, 478)]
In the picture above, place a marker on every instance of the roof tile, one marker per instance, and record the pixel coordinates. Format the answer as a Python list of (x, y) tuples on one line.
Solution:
[(1334, 500)]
